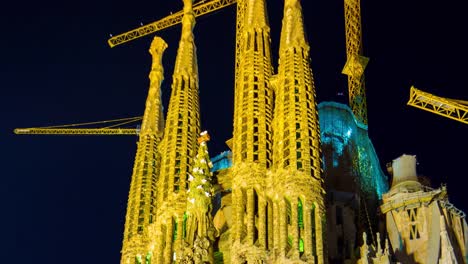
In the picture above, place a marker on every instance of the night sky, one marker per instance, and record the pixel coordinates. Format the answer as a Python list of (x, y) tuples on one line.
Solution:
[(64, 197)]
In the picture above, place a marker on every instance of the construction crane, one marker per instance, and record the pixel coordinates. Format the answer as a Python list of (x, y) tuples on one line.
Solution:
[(112, 128), (451, 108), (356, 63), (200, 8)]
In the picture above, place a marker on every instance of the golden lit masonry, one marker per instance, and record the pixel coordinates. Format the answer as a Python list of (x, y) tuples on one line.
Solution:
[(178, 147), (141, 208), (264, 201)]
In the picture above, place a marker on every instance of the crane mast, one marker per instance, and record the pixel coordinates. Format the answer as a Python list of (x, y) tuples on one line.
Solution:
[(356, 63), (451, 108), (168, 21)]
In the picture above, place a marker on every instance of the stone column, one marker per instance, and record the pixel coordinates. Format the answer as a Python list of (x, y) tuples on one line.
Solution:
[(168, 246), (262, 218), (307, 230), (319, 235), (159, 249), (250, 216), (238, 214), (283, 228), (270, 227), (295, 226), (276, 227)]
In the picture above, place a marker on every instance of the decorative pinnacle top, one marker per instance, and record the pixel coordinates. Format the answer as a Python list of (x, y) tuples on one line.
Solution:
[(158, 46), (293, 33), (256, 15), (186, 55)]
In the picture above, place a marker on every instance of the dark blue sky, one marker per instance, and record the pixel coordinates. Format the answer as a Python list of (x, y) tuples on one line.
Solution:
[(64, 197)]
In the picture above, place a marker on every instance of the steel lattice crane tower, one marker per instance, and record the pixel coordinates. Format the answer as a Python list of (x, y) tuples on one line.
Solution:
[(356, 63)]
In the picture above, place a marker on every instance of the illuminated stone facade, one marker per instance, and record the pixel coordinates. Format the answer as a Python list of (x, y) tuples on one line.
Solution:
[(422, 226), (141, 208), (302, 184)]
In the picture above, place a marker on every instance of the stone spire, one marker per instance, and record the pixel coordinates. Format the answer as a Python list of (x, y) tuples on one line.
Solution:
[(297, 174), (252, 137), (141, 207), (183, 117), (178, 146), (292, 31)]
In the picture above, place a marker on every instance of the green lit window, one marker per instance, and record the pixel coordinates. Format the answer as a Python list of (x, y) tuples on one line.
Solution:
[(148, 258), (301, 245)]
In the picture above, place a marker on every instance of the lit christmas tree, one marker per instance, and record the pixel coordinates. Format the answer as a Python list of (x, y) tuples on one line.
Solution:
[(199, 230)]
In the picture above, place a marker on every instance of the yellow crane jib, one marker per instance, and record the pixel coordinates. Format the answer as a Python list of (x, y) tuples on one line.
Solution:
[(451, 108), (76, 129), (199, 9)]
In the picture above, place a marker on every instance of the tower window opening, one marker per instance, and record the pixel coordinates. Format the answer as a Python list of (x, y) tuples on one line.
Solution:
[(299, 165), (312, 224), (414, 232), (174, 237), (288, 212), (255, 42)]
